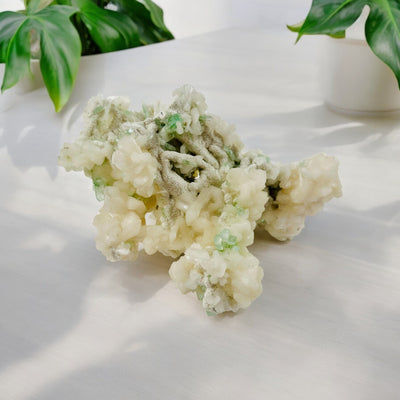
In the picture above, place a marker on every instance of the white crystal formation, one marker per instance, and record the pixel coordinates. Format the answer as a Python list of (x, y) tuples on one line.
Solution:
[(177, 180)]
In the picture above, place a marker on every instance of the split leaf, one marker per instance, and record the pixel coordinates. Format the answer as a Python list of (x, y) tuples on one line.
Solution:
[(60, 49), (382, 28)]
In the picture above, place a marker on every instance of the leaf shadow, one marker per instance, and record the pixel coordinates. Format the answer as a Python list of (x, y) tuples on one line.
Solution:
[(46, 299), (320, 127), (309, 324), (31, 130)]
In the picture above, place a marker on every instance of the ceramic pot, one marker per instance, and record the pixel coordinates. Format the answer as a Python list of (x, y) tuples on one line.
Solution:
[(355, 81), (27, 84)]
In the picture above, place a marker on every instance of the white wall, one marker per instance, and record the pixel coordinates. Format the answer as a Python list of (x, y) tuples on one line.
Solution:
[(190, 17), (12, 5), (270, 13)]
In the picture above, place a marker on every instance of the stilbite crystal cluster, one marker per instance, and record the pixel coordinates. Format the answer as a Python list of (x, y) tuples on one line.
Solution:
[(177, 180)]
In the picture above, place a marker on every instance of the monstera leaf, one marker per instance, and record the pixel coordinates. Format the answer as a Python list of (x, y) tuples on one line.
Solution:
[(65, 29), (109, 29), (148, 17), (382, 28), (60, 48)]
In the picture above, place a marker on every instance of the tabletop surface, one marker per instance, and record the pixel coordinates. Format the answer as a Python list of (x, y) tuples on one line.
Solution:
[(75, 326)]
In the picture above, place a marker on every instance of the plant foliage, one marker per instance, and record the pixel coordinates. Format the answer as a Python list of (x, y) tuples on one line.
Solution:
[(66, 29), (382, 27)]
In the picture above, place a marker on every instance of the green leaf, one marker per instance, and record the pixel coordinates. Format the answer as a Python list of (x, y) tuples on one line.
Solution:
[(157, 14), (60, 51), (9, 23), (144, 20), (331, 16), (297, 27), (110, 30), (338, 35), (18, 55), (382, 29), (141, 17), (33, 6)]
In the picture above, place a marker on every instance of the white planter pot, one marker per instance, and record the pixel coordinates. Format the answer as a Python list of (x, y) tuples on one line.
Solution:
[(32, 85), (28, 84), (355, 81)]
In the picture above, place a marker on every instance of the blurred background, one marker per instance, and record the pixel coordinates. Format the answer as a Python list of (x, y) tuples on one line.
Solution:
[(191, 17)]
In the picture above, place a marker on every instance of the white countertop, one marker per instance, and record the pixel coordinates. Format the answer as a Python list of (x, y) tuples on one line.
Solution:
[(74, 326)]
